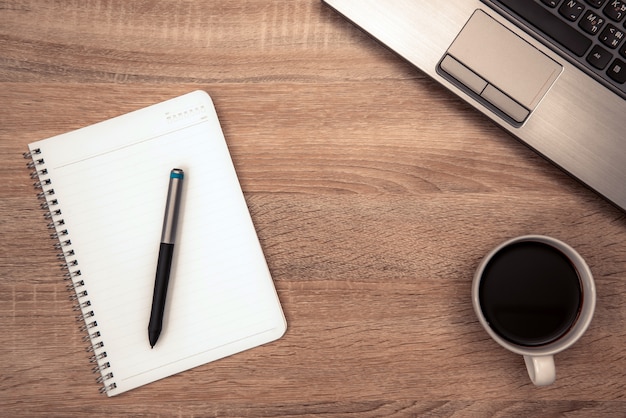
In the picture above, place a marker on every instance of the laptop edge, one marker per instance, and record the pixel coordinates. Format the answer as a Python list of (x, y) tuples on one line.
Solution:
[(577, 124)]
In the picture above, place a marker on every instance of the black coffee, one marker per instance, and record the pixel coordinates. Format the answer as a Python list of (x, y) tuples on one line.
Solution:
[(530, 293)]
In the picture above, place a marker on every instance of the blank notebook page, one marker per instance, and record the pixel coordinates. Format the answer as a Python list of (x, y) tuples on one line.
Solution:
[(110, 181)]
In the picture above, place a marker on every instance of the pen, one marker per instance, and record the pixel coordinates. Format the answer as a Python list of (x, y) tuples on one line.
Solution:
[(166, 251)]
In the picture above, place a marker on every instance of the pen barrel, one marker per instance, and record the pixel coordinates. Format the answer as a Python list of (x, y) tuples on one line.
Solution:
[(170, 219), (161, 281)]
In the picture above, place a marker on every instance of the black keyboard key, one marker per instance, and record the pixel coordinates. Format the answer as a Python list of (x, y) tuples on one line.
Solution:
[(617, 71), (592, 22), (571, 10), (596, 3), (550, 25), (550, 3), (612, 36), (599, 57), (615, 10)]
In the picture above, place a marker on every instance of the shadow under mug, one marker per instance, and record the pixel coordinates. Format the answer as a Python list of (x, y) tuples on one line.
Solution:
[(511, 258)]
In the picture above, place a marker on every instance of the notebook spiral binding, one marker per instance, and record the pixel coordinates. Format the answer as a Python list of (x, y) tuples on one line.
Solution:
[(72, 275)]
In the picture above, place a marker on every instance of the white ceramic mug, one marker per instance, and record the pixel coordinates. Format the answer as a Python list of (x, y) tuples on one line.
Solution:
[(539, 359)]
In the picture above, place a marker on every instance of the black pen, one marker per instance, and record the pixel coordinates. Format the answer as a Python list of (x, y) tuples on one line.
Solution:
[(166, 251)]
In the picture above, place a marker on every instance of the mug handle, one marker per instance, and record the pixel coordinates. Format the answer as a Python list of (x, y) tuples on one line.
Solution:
[(541, 369)]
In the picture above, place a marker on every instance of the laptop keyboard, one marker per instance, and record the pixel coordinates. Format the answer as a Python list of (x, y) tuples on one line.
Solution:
[(591, 32)]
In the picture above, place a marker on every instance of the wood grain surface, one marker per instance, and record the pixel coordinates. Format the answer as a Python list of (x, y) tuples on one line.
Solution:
[(375, 193)]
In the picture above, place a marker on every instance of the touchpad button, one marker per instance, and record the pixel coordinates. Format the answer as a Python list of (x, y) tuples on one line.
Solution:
[(519, 72)]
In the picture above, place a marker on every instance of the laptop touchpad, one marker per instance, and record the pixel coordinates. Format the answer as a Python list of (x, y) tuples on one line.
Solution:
[(499, 67)]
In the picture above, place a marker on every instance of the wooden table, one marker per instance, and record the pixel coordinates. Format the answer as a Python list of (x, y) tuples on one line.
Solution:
[(374, 191)]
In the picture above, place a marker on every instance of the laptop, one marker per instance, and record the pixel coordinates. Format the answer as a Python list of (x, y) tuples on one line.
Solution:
[(550, 72)]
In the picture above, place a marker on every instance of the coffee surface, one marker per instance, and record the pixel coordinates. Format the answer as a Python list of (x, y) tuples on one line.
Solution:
[(530, 293)]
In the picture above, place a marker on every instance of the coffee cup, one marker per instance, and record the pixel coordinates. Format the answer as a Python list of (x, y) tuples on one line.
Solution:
[(535, 296)]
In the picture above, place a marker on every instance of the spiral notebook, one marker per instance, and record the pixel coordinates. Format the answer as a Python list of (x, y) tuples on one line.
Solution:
[(104, 189)]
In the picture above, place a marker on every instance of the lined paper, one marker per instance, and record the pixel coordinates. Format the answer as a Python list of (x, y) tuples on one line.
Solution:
[(110, 181)]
